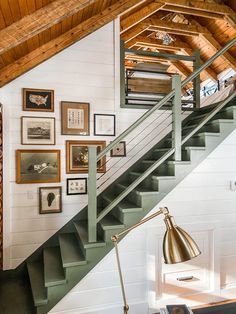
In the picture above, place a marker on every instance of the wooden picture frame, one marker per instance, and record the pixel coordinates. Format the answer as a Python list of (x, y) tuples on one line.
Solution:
[(50, 200), (38, 99), (75, 118), (37, 131), (38, 166), (76, 186), (77, 156), (104, 124), (119, 150)]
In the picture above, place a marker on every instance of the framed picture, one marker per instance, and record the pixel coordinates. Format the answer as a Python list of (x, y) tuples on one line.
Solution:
[(74, 118), (104, 124), (38, 99), (37, 166), (77, 156), (119, 150), (50, 200), (37, 131), (76, 186)]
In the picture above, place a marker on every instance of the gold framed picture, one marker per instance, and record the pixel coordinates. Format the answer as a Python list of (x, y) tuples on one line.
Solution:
[(77, 156), (74, 118), (37, 166), (38, 99), (50, 200)]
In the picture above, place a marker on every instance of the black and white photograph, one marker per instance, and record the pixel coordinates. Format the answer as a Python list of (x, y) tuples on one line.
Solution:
[(50, 200), (76, 186), (37, 166), (119, 150), (37, 131), (38, 99), (105, 124)]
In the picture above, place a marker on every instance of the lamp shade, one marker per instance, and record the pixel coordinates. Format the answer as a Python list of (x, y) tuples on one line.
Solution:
[(178, 246)]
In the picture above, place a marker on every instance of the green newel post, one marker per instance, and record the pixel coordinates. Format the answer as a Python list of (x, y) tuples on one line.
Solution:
[(197, 81), (92, 194), (176, 134)]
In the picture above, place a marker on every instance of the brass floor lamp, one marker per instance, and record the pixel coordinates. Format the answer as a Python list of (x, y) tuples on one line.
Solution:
[(178, 246)]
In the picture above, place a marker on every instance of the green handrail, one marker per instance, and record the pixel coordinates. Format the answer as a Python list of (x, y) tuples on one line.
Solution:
[(164, 100)]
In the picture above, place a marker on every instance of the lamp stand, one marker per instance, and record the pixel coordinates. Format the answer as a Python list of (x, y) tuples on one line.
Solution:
[(115, 239)]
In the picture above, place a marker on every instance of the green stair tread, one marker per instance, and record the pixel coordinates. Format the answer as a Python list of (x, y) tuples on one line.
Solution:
[(36, 276), (71, 253), (128, 207), (213, 134), (53, 270), (82, 229), (220, 121), (109, 222), (139, 190), (194, 148)]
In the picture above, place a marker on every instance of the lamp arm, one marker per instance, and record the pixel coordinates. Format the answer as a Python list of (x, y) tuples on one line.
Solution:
[(162, 210), (115, 239)]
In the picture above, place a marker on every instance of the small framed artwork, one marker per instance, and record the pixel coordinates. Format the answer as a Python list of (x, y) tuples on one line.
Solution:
[(50, 200), (37, 166), (77, 156), (37, 131), (38, 99), (104, 124), (119, 150), (74, 118), (76, 186)]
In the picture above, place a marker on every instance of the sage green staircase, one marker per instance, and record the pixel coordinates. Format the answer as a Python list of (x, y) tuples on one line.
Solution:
[(68, 256)]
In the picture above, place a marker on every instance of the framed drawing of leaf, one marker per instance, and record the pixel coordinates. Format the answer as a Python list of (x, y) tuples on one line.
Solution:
[(77, 156), (74, 118)]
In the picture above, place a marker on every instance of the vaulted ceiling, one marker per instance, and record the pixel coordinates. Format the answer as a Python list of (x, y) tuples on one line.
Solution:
[(32, 31)]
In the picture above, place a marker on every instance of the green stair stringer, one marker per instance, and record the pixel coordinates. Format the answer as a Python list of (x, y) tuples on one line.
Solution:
[(62, 261)]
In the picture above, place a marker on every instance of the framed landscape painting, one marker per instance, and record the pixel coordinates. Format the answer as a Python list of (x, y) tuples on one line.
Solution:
[(50, 200), (38, 99), (37, 131), (37, 166), (77, 156), (74, 118)]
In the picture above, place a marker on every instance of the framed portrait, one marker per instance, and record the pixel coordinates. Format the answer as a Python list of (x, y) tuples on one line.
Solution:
[(77, 156), (37, 166), (74, 118), (38, 99), (76, 186), (119, 150), (50, 200), (104, 124), (37, 131)]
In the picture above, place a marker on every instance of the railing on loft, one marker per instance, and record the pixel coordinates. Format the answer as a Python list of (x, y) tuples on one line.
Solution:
[(132, 97), (177, 141)]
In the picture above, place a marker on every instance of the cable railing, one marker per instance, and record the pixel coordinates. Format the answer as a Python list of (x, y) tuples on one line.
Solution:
[(175, 95)]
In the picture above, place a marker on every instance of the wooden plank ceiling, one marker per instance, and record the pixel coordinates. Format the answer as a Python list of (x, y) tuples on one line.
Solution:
[(32, 31)]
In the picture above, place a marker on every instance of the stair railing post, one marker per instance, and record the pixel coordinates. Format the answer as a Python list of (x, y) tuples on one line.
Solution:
[(92, 193), (177, 123), (197, 81)]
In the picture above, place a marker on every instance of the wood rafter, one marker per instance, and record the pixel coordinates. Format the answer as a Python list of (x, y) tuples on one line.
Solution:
[(175, 28), (49, 49), (208, 37), (39, 21), (134, 31), (188, 11), (140, 15), (212, 7)]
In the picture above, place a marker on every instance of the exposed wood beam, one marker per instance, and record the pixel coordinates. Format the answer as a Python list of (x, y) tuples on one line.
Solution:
[(200, 5), (208, 37), (48, 50), (140, 15), (134, 31), (146, 59), (38, 21), (184, 10), (175, 28)]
